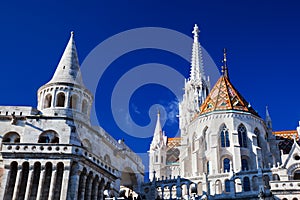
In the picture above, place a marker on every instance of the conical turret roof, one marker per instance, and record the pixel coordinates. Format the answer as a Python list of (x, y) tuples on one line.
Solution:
[(68, 69)]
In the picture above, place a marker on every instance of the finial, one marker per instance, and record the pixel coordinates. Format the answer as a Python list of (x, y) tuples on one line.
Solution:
[(158, 112), (72, 33), (196, 32), (224, 61)]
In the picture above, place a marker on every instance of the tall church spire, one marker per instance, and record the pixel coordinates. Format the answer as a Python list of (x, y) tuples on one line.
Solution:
[(68, 70), (197, 71), (159, 137)]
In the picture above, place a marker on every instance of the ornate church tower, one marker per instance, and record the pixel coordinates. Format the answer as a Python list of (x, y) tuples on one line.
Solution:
[(196, 87), (65, 94), (157, 152)]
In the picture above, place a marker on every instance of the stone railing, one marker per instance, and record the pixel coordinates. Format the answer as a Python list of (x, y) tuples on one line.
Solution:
[(285, 185), (44, 148)]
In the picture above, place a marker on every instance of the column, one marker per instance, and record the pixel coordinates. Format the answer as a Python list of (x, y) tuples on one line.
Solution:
[(29, 182), (52, 183), (41, 182), (82, 187), (88, 187), (4, 173), (170, 190), (74, 183), (17, 184), (65, 183)]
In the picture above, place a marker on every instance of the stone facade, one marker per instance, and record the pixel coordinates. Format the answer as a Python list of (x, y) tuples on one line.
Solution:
[(226, 150), (53, 152)]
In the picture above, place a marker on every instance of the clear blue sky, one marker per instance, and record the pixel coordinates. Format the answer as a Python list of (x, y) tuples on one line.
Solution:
[(262, 38)]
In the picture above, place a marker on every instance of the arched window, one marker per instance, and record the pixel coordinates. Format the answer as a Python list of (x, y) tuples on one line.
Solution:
[(242, 134), (60, 99), (255, 184), (226, 165), (246, 184), (227, 185), (11, 137), (245, 166), (107, 159), (84, 108), (205, 138), (225, 142), (296, 175), (207, 167), (48, 101), (266, 180), (277, 178), (73, 101), (48, 137), (257, 133)]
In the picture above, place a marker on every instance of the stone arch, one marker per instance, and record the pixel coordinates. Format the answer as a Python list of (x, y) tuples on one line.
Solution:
[(193, 189), (11, 137), (48, 101), (266, 180), (184, 191), (88, 183), (245, 163), (129, 178), (60, 99), (296, 174), (218, 187), (227, 185), (276, 177), (242, 136), (84, 106), (49, 136), (255, 185), (246, 184), (74, 102)]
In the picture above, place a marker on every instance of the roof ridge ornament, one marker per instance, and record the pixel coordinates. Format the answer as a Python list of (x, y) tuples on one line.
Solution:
[(224, 66)]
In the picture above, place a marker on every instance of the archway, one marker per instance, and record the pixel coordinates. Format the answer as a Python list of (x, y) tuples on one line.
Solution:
[(129, 182)]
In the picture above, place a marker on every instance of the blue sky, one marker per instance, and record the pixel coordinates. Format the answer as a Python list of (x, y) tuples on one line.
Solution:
[(262, 38)]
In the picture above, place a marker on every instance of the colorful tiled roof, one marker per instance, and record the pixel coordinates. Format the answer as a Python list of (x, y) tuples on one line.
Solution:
[(173, 142), (224, 96), (287, 134)]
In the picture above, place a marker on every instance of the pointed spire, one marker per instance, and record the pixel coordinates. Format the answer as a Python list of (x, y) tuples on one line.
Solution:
[(268, 119), (158, 138), (224, 66), (197, 70), (68, 69)]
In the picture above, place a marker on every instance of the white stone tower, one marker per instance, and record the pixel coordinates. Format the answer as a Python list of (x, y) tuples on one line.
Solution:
[(196, 87), (157, 152), (65, 94)]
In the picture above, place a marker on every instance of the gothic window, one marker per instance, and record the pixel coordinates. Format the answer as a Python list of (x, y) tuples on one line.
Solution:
[(226, 165), (242, 134), (84, 106), (246, 184), (11, 137), (205, 138), (73, 101), (60, 99), (225, 142), (227, 185), (257, 133), (245, 166), (48, 101), (48, 137), (156, 159), (266, 180)]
